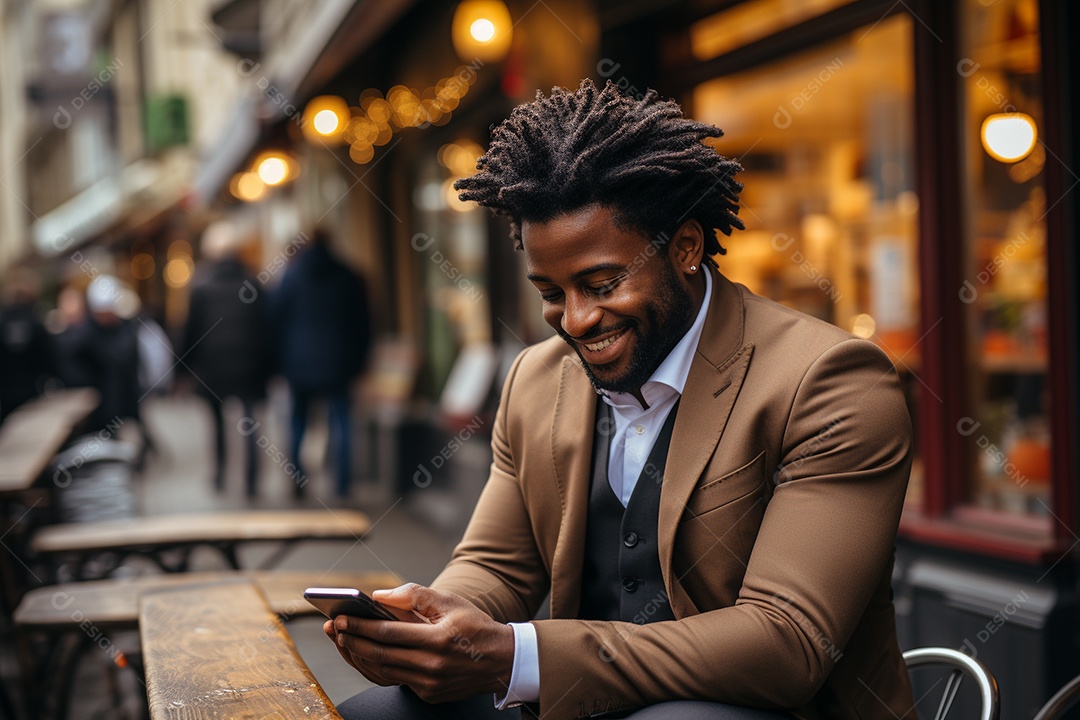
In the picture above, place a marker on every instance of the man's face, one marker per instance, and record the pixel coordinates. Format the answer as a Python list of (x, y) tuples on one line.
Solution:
[(611, 294)]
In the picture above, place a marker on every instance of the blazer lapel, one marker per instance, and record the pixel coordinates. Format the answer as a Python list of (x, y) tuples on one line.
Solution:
[(716, 376), (571, 447)]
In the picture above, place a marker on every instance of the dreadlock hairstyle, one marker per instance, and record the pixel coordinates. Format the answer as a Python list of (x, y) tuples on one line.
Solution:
[(639, 157)]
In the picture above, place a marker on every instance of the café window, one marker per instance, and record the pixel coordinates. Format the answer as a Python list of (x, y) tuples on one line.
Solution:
[(825, 137), (1005, 283)]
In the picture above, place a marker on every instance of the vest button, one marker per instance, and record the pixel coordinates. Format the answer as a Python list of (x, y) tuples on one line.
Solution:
[(630, 584), (630, 539)]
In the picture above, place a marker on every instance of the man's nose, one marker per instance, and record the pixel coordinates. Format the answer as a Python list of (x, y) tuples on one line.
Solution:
[(579, 315)]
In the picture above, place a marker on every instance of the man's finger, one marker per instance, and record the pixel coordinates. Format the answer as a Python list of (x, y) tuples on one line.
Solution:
[(387, 632), (411, 596), (387, 659)]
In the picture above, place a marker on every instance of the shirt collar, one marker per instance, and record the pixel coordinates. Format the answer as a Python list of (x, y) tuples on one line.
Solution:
[(672, 372)]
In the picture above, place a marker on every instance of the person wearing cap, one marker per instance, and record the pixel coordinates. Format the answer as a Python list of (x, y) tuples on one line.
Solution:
[(103, 353)]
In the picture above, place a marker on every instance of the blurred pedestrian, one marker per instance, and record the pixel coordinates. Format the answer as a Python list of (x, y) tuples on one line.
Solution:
[(25, 348), (157, 359), (102, 352), (321, 322), (225, 343), (63, 324)]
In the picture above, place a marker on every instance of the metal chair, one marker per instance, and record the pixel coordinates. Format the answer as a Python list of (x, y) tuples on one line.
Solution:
[(961, 664), (1063, 700)]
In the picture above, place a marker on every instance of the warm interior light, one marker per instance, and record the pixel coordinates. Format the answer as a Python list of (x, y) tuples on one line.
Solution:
[(325, 116), (863, 326), (326, 122), (460, 157), (142, 266), (273, 170), (1009, 137), (482, 30), (178, 272), (250, 187)]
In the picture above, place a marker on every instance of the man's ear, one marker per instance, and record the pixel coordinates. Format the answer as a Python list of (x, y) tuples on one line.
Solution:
[(687, 247)]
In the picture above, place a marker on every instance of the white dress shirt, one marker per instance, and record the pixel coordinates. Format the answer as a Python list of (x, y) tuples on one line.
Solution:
[(632, 440)]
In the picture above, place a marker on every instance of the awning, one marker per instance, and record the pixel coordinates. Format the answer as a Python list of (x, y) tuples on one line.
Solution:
[(93, 210)]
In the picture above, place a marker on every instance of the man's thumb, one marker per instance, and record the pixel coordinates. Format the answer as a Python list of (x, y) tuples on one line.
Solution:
[(411, 596)]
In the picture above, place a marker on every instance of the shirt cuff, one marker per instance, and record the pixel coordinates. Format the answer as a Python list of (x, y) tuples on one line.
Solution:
[(525, 673)]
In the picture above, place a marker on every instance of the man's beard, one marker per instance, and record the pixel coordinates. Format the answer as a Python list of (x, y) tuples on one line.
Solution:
[(669, 317)]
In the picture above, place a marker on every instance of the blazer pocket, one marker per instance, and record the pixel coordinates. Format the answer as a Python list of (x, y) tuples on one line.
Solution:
[(728, 488), (714, 541)]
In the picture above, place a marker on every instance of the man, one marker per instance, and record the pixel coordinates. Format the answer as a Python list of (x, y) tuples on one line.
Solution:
[(319, 316), (225, 342), (715, 527)]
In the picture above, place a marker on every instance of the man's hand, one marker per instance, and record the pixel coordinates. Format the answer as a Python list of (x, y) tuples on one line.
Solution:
[(457, 651)]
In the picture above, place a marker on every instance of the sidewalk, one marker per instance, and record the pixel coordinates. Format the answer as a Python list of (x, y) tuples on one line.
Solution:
[(178, 479)]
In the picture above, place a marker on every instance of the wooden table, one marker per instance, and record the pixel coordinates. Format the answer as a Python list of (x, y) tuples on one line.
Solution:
[(73, 617), (218, 651), (32, 434), (157, 536)]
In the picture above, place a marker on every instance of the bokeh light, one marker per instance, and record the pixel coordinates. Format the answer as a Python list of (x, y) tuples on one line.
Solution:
[(142, 266), (1009, 137), (482, 30)]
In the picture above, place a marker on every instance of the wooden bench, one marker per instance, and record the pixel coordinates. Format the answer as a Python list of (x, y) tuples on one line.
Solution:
[(75, 616), (219, 651), (114, 604), (159, 536)]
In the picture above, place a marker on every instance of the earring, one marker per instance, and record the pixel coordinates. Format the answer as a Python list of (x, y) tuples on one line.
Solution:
[(693, 268)]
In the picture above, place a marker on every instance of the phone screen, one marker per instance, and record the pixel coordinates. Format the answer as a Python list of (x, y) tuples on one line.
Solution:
[(332, 602)]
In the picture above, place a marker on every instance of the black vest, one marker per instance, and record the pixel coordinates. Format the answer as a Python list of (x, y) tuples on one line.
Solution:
[(621, 578)]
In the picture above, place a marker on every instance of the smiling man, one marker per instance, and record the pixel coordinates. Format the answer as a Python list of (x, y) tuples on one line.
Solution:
[(707, 483)]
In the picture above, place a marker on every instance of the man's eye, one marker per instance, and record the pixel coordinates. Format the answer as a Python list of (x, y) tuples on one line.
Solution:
[(604, 289), (551, 296)]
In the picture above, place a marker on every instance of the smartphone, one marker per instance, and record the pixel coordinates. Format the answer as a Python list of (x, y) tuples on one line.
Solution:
[(332, 602)]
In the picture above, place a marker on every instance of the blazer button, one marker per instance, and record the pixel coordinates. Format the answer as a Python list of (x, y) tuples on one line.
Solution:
[(630, 584), (630, 539)]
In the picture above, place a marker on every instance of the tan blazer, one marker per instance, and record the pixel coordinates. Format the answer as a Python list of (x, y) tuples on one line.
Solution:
[(778, 513)]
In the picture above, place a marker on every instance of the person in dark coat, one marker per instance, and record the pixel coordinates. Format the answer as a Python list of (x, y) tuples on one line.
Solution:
[(25, 347), (322, 327), (225, 343), (102, 352)]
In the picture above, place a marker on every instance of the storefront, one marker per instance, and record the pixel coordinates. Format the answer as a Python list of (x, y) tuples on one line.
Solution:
[(908, 178)]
